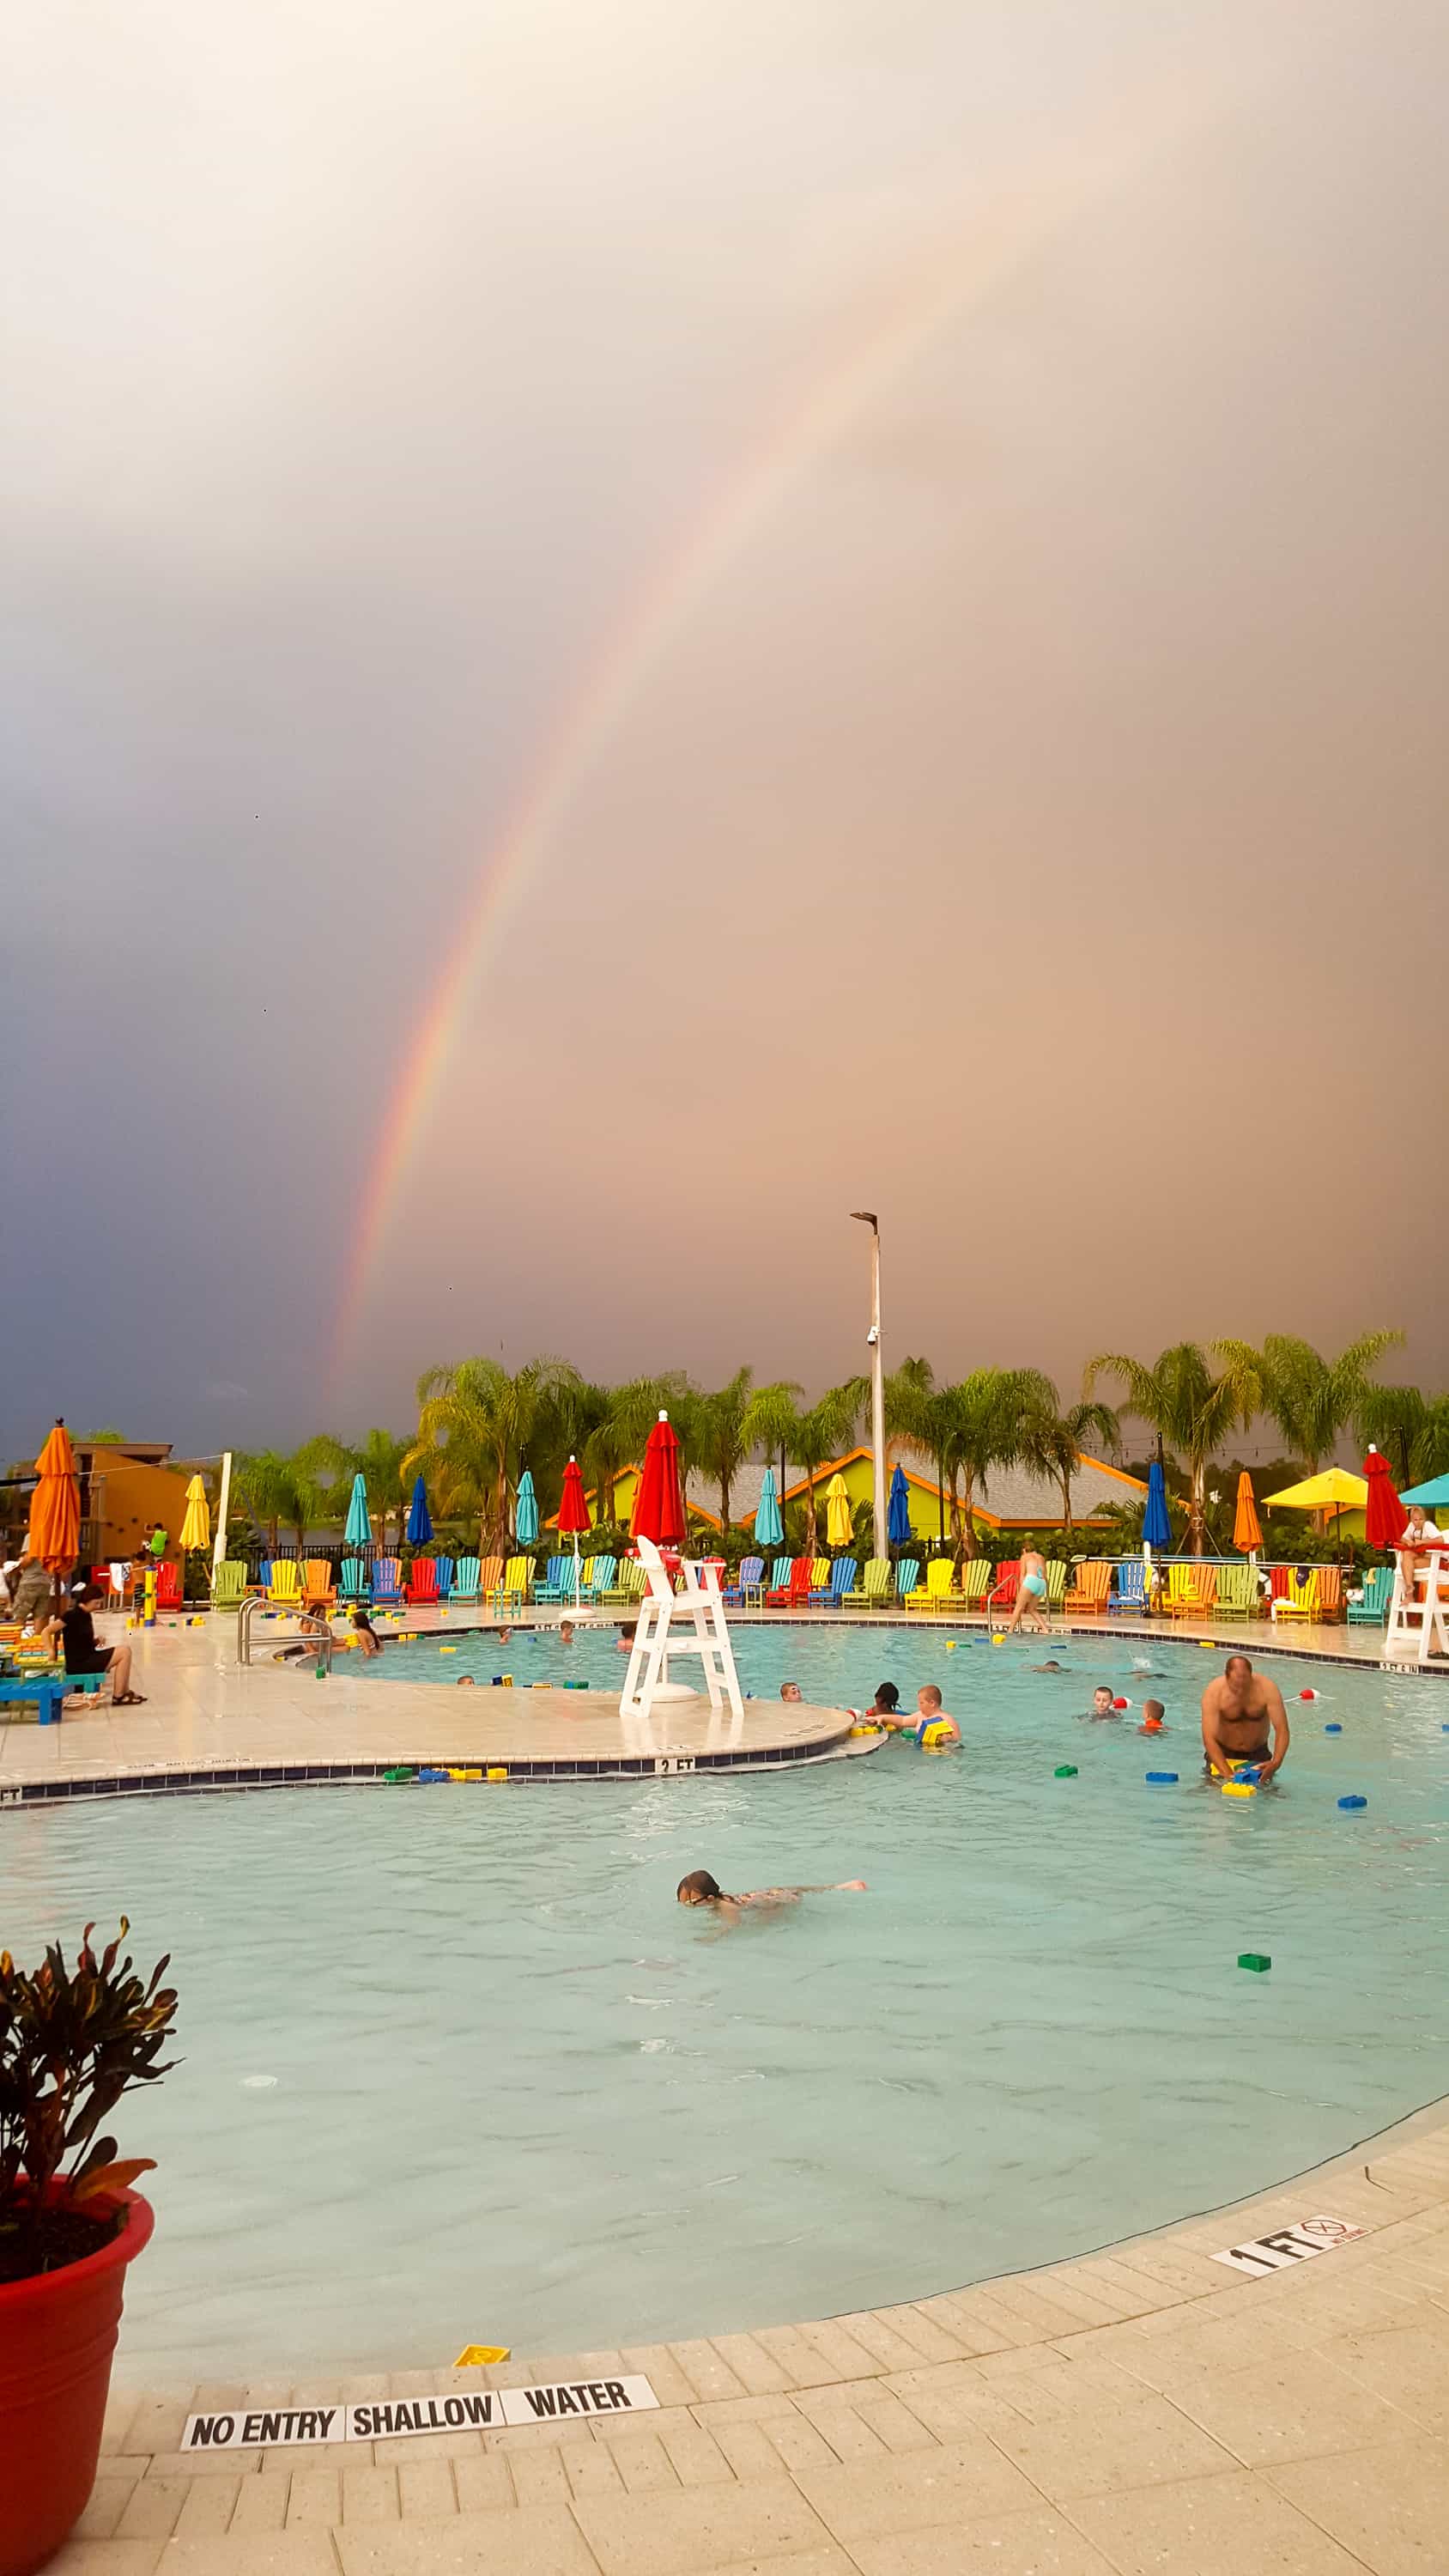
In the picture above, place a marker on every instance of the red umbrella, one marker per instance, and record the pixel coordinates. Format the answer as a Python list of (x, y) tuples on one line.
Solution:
[(1384, 1514), (573, 1512), (659, 1503)]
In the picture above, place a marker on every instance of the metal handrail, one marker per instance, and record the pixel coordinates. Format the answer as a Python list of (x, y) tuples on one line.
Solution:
[(256, 1601)]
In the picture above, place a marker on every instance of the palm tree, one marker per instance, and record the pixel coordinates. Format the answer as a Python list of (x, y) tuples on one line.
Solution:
[(774, 1422), (482, 1419), (1311, 1399), (769, 1423), (983, 1421), (718, 1447), (1412, 1431), (265, 1483), (1189, 1408), (1052, 1443)]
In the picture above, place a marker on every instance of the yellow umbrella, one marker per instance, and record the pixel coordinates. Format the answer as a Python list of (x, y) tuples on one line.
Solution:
[(196, 1528), (1334, 1490), (1247, 1532), (838, 1529)]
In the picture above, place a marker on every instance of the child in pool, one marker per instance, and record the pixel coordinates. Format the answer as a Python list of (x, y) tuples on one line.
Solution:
[(1152, 1716), (929, 1712), (700, 1888)]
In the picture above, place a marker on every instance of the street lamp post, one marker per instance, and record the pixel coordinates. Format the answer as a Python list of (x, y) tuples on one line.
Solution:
[(863, 1216)]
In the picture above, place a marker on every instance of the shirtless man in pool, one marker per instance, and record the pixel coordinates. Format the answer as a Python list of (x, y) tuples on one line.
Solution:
[(1238, 1714)]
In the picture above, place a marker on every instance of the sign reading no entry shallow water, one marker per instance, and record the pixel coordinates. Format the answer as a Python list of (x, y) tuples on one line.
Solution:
[(461, 2411), (1288, 2245)]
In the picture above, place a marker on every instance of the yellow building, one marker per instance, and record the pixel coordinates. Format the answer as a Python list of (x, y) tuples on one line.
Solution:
[(1014, 1500)]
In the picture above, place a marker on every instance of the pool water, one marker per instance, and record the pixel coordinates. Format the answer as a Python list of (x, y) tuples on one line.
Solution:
[(457, 2068)]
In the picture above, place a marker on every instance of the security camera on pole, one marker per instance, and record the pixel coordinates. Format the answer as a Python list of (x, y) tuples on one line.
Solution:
[(863, 1216)]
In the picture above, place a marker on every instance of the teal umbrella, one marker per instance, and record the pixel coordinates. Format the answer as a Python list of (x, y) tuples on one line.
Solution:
[(769, 1528), (358, 1532), (525, 1519), (1431, 1495)]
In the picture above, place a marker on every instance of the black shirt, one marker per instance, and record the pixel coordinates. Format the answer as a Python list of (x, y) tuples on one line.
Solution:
[(82, 1655)]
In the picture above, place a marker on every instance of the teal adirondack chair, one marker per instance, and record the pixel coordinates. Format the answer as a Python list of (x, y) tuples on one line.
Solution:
[(466, 1574), (908, 1575), (1373, 1610), (354, 1585)]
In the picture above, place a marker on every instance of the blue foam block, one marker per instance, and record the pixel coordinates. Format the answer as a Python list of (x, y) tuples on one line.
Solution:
[(1353, 1802), (1162, 1776), (1333, 1728)]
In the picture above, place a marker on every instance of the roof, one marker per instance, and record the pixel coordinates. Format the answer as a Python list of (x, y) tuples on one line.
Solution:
[(1009, 1494)]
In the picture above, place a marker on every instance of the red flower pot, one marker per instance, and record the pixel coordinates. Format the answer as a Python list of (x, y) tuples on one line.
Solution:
[(57, 2335)]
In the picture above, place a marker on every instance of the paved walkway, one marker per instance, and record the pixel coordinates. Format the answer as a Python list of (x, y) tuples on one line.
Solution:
[(1144, 2409)]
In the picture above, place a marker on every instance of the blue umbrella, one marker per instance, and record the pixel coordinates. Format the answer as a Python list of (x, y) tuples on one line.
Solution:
[(1431, 1495), (358, 1532), (525, 1519), (769, 1528), (898, 1515), (1156, 1527), (420, 1519)]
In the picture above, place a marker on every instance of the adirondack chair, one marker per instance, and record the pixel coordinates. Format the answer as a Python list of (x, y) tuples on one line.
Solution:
[(586, 1577), (423, 1580), (1088, 1595), (517, 1576), (1302, 1600), (558, 1581), (354, 1585), (1002, 1595), (168, 1587), (603, 1577), (908, 1575), (935, 1592), (778, 1587), (975, 1582), (1191, 1591), (819, 1580), (229, 1586), (633, 1581), (285, 1588), (444, 1565), (801, 1575), (1330, 1592), (467, 1582), (877, 1589), (490, 1579), (1131, 1592), (1056, 1574), (1373, 1610), (842, 1581), (1237, 1592), (387, 1579), (750, 1579), (318, 1589)]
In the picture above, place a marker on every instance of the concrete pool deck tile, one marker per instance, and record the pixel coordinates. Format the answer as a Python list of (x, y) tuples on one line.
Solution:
[(946, 2487), (542, 2541), (898, 2428), (886, 2345), (314, 2497), (370, 2495), (540, 2477), (1294, 2409), (703, 2365), (657, 2364), (976, 2323), (707, 2527), (928, 2338), (109, 2498), (260, 2506), (484, 2485), (643, 2462), (106, 2558), (209, 2505), (1109, 2443), (258, 2553), (1408, 2366), (1389, 2504), (1038, 2543), (694, 2454), (1215, 2526), (757, 2374)]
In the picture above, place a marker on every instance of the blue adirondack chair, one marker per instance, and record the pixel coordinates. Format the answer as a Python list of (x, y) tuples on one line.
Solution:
[(466, 1575), (843, 1576), (603, 1579), (1131, 1592), (387, 1579), (908, 1575), (558, 1582), (1373, 1610), (444, 1565), (750, 1579)]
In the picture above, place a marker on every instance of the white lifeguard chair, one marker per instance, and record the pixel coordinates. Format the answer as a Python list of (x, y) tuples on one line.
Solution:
[(1418, 1628), (661, 1632)]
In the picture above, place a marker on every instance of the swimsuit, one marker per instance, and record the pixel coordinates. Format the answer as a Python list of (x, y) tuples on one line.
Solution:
[(1239, 1761), (1035, 1584)]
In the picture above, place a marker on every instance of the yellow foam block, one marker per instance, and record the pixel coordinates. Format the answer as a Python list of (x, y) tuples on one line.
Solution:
[(507, 1682), (447, 1650), (464, 1775), (1239, 1789), (498, 1771)]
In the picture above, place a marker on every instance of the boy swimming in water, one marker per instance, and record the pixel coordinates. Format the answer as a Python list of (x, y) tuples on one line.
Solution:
[(700, 1888), (929, 1712)]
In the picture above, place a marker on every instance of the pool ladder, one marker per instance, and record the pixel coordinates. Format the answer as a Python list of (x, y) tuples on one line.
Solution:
[(256, 1601)]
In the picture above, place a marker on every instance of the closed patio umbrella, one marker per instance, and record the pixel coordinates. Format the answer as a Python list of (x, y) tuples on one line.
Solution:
[(525, 1517), (769, 1528), (55, 1505), (573, 1512), (1384, 1515), (196, 1527), (1247, 1530), (839, 1530), (420, 1519), (358, 1532), (659, 1500), (898, 1514), (1156, 1527)]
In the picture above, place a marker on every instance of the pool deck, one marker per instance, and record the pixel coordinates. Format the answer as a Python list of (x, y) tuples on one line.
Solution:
[(1144, 2408), (210, 1723)]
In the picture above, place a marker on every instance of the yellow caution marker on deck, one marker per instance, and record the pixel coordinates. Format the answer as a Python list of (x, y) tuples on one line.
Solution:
[(480, 2356)]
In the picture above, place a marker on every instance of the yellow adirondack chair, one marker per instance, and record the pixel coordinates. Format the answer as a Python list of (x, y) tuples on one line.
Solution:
[(1303, 1600), (1191, 1591), (285, 1589), (518, 1575), (1088, 1595), (975, 1582), (935, 1592), (1237, 1592)]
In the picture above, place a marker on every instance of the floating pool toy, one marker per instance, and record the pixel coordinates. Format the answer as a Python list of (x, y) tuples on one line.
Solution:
[(1065, 1771), (950, 1645), (1162, 1779), (397, 1775), (932, 1738), (1240, 1788), (576, 1686), (1121, 1703), (1208, 1645), (463, 1775), (998, 1641), (1333, 1727), (447, 1650), (498, 1771), (1353, 1802), (1257, 1960), (1310, 1694)]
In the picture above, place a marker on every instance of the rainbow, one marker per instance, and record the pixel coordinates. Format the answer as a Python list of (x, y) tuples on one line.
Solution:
[(960, 276)]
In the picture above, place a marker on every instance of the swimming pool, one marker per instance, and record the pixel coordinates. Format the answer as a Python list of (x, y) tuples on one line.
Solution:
[(457, 2067)]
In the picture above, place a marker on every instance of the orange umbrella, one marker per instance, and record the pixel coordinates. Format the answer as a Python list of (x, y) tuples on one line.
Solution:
[(55, 1505), (1247, 1534)]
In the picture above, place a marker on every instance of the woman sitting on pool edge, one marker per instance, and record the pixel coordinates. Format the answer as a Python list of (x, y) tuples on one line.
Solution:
[(700, 1888)]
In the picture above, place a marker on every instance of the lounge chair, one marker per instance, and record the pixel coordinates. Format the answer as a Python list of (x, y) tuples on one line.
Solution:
[(168, 1587), (318, 1589), (1330, 1592), (423, 1580), (819, 1581), (633, 1581), (1301, 1599), (1191, 1591), (354, 1585), (601, 1574), (229, 1585), (490, 1579), (1131, 1592), (1002, 1595), (750, 1579), (1088, 1595), (935, 1592), (558, 1581), (1373, 1610), (466, 1579), (517, 1577), (908, 1575), (802, 1575), (285, 1588), (387, 1580), (444, 1565), (975, 1581), (1237, 1592)]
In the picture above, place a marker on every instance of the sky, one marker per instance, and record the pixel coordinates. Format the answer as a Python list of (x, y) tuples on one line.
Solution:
[(625, 630)]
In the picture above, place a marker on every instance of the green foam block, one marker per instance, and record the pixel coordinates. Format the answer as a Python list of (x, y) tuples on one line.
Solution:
[(1065, 1771), (1257, 1960)]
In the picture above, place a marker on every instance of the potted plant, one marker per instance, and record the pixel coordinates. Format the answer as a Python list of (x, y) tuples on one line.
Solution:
[(72, 2041)]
